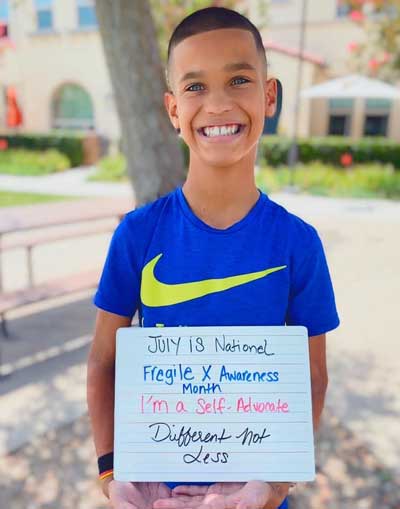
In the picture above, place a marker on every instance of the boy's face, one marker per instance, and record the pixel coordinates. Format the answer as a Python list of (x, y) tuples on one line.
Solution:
[(209, 88)]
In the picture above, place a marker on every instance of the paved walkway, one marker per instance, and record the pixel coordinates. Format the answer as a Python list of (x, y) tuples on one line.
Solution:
[(362, 242), (363, 248), (58, 471), (73, 183)]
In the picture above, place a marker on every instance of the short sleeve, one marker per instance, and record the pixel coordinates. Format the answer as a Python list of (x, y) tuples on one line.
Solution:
[(311, 299), (119, 286)]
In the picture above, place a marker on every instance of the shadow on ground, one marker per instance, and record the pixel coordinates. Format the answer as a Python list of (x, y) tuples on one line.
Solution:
[(348, 475), (47, 392), (364, 395), (47, 328), (58, 470)]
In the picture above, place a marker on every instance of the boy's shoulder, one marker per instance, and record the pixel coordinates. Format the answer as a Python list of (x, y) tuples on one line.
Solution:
[(146, 214), (293, 226)]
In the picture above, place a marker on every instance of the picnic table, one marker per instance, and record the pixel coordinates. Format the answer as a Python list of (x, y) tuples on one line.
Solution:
[(43, 223)]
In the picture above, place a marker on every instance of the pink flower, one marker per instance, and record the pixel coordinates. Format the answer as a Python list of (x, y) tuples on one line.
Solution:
[(3, 144), (352, 47), (357, 16), (373, 64)]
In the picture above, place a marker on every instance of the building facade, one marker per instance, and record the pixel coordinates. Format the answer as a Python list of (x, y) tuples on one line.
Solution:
[(57, 67), (328, 35), (51, 55)]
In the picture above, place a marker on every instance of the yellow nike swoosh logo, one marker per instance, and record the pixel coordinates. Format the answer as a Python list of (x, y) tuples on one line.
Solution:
[(154, 293)]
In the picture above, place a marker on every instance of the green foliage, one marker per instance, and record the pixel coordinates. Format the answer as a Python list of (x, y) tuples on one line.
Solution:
[(274, 150), (111, 169), (369, 181), (68, 143), (11, 199), (363, 180), (114, 169), (29, 162)]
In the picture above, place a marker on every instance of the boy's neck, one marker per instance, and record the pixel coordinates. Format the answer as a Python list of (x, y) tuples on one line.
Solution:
[(221, 197)]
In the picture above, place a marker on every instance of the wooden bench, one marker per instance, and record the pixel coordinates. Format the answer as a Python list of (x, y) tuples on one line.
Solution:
[(39, 221)]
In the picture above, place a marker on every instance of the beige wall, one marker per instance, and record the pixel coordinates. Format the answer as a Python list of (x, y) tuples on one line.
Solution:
[(394, 122), (43, 62), (285, 68), (318, 120), (326, 35)]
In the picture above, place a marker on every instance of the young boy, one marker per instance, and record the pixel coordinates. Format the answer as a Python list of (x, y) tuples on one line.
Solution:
[(176, 260)]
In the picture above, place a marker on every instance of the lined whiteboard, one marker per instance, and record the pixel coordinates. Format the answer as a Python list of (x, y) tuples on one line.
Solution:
[(213, 404)]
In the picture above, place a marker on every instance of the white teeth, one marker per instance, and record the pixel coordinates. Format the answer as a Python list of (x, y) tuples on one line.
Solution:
[(220, 130)]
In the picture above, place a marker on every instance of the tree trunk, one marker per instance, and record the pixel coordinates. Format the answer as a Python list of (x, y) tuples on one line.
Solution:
[(149, 141)]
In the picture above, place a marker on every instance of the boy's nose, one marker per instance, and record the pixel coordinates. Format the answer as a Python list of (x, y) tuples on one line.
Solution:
[(217, 103)]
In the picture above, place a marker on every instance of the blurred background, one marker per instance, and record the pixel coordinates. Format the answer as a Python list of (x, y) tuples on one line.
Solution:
[(80, 96)]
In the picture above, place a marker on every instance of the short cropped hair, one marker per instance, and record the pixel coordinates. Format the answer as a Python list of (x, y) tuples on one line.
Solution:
[(212, 18)]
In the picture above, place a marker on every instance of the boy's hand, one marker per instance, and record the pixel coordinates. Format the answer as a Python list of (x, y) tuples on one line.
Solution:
[(136, 495), (229, 495)]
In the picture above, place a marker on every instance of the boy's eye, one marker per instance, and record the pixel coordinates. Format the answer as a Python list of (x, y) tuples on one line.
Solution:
[(191, 89), (243, 79)]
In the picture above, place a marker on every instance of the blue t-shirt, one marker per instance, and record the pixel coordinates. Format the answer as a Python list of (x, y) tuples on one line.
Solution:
[(269, 268)]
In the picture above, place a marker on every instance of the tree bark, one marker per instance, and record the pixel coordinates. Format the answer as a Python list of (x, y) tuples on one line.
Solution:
[(149, 141)]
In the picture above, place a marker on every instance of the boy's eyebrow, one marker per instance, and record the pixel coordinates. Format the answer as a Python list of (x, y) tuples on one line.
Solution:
[(236, 66)]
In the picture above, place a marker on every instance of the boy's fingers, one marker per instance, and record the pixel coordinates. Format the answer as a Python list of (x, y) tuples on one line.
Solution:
[(189, 489), (176, 503), (118, 502), (165, 503), (189, 501), (243, 505), (124, 505), (215, 501), (232, 502)]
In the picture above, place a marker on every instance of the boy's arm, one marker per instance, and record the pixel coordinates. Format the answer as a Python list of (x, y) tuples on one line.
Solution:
[(100, 379), (319, 375)]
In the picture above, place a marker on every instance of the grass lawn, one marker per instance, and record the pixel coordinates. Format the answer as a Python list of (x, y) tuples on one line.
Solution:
[(9, 198)]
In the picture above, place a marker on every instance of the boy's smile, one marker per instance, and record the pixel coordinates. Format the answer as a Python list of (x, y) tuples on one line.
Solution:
[(220, 96)]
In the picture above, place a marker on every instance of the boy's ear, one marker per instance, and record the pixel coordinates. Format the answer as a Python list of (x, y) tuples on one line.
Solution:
[(171, 107), (271, 97)]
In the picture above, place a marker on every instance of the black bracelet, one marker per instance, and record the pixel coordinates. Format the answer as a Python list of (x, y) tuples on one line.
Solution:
[(106, 465)]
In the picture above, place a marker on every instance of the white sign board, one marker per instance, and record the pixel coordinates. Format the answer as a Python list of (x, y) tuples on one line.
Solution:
[(213, 404)]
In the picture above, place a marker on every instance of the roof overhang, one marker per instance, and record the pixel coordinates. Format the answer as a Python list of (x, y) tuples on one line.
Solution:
[(353, 86)]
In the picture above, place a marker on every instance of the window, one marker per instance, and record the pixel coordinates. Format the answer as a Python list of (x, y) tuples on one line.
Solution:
[(86, 14), (72, 108), (340, 111), (376, 125), (339, 125), (44, 14), (376, 116), (342, 10), (3, 19), (378, 104)]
